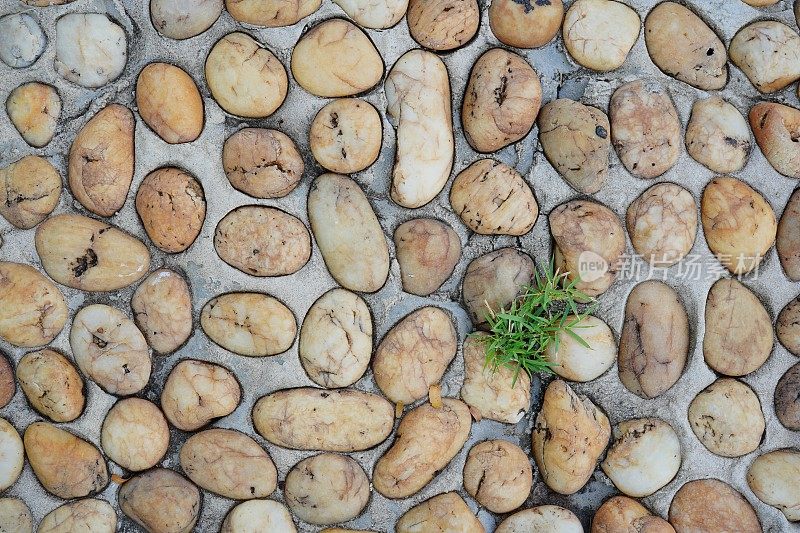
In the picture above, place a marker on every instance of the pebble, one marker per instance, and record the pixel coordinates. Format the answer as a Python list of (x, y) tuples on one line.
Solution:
[(90, 255), (263, 241), (428, 251), (34, 108), (525, 24), (91, 50), (717, 136), (262, 163), (768, 52), (245, 78), (346, 135), (22, 40), (249, 323), (776, 128), (32, 309), (29, 191), (172, 207), (336, 58), (598, 34), (162, 308), (443, 24), (182, 19), (169, 102)]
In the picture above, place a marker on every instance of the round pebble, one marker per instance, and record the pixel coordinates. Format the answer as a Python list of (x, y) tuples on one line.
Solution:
[(22, 40), (346, 135), (91, 50)]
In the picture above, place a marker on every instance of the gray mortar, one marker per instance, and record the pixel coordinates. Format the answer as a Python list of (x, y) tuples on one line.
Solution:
[(209, 276)]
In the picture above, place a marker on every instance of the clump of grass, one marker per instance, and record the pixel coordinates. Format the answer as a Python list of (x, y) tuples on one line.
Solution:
[(520, 334)]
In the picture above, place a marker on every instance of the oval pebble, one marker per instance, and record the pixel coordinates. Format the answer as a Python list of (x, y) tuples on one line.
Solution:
[(375, 14), (90, 255), (32, 309), (776, 128), (34, 108), (717, 136), (346, 135), (443, 24), (182, 19), (90, 515), (768, 52), (110, 350), (336, 339), (249, 323), (598, 34), (52, 385), (169, 102), (712, 505), (262, 163), (12, 454), (262, 241), (773, 479), (257, 516), (22, 40), (271, 13), (135, 434), (197, 392), (428, 251), (525, 24), (91, 49), (29, 191), (162, 308)]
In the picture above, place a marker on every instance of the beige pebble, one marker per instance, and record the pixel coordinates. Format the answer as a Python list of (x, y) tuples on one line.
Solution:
[(598, 34), (51, 385), (644, 456), (738, 335), (101, 160), (414, 355), (787, 326), (228, 463), (645, 128), (90, 255), (760, 3), (776, 128), (12, 453), (161, 501), (654, 344), (182, 19), (738, 223), (346, 135), (271, 13), (440, 514), (575, 361), (726, 417), (90, 514), (524, 24), (492, 198), (249, 323), (621, 513), (15, 517), (110, 350), (327, 489), (498, 475), (335, 344), (589, 243), (427, 252), (683, 46), (418, 105), (768, 52), (262, 241), (258, 515), (712, 505), (162, 308), (7, 383), (375, 14), (773, 478), (169, 102), (787, 241), (569, 436), (262, 163), (576, 141), (492, 281), (172, 206), (348, 233), (717, 136), (29, 191), (336, 58), (245, 78), (135, 434), (34, 109), (500, 393), (501, 100), (549, 518), (91, 49), (662, 224), (197, 392), (443, 24), (66, 465), (32, 309)]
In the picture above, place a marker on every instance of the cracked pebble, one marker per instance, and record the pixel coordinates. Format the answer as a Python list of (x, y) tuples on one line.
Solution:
[(51, 385), (717, 136), (346, 135), (428, 251), (443, 24), (599, 34), (135, 434), (91, 49), (262, 163), (32, 309), (498, 475), (182, 19), (197, 392), (162, 308), (34, 108), (30, 190), (170, 103)]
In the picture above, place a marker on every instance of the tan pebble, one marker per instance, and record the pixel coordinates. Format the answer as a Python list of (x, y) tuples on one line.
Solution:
[(787, 241), (245, 78), (197, 392), (787, 398), (443, 24), (787, 327), (444, 512), (583, 361), (262, 241), (29, 191), (376, 14), (492, 281), (258, 515), (52, 385), (498, 475), (717, 136), (34, 109), (101, 160), (271, 13), (427, 251), (336, 58), (135, 434), (32, 309), (622, 513), (172, 207), (15, 516), (7, 384), (182, 19), (162, 308), (97, 516), (768, 52), (711, 505), (346, 135), (525, 24), (773, 479), (169, 102), (776, 128), (13, 454), (161, 501), (249, 323), (262, 163), (87, 254), (598, 34)]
